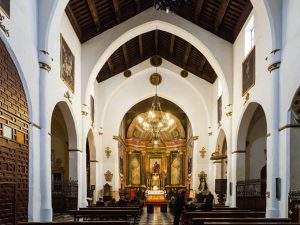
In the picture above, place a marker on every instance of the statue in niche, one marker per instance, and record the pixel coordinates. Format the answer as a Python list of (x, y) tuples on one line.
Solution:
[(175, 171), (156, 168), (135, 171)]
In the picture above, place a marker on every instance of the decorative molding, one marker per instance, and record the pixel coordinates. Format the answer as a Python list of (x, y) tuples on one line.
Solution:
[(35, 125), (127, 73), (68, 96), (108, 152), (94, 161), (155, 79), (45, 60), (108, 176), (274, 66), (203, 152), (238, 151), (49, 134), (289, 126), (74, 150), (3, 28), (246, 98), (228, 109), (84, 113)]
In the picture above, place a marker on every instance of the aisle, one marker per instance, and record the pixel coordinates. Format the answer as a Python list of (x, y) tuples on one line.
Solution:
[(157, 218)]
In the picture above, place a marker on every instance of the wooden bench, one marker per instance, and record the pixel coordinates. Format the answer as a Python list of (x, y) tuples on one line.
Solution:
[(118, 222), (196, 221), (105, 215), (244, 223), (190, 215)]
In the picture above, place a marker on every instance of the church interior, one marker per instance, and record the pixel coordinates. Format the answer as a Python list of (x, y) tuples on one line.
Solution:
[(149, 112)]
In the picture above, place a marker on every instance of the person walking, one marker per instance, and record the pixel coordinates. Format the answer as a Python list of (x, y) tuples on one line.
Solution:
[(179, 206)]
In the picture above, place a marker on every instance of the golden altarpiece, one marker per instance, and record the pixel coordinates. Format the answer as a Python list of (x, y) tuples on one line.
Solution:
[(149, 164)]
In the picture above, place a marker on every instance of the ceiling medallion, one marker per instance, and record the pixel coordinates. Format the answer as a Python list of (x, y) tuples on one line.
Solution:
[(170, 5), (156, 60), (155, 79), (127, 73), (184, 73)]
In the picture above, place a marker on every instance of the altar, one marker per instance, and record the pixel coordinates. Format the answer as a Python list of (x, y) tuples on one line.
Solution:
[(156, 198)]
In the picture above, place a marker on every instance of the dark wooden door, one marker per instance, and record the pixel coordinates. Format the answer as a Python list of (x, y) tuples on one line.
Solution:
[(14, 152)]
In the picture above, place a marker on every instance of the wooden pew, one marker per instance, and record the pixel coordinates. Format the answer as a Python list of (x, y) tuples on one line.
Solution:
[(190, 215), (105, 215), (108, 222), (246, 220)]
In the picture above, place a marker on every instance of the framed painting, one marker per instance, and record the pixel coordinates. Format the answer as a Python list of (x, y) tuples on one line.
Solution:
[(67, 64), (5, 6), (248, 72)]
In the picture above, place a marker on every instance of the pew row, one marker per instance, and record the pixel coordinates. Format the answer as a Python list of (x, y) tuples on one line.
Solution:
[(92, 215), (246, 220), (108, 222)]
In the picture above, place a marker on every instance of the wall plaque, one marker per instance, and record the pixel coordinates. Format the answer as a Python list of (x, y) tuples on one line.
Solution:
[(67, 64), (249, 72), (7, 132)]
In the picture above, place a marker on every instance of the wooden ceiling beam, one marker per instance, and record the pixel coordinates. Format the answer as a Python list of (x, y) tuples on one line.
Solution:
[(110, 65), (242, 19), (221, 13), (138, 5), (156, 41), (125, 54), (74, 21), (116, 4), (187, 54), (141, 50), (172, 42), (198, 10), (94, 13)]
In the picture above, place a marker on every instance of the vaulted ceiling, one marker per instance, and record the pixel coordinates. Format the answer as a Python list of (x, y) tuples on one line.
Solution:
[(166, 45), (224, 18)]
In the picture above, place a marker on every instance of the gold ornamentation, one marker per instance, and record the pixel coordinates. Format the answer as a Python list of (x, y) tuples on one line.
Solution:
[(127, 73), (184, 73), (155, 60), (108, 176), (107, 152), (203, 152)]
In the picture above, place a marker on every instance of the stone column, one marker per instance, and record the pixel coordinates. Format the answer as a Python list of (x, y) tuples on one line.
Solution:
[(238, 172), (272, 208), (45, 141)]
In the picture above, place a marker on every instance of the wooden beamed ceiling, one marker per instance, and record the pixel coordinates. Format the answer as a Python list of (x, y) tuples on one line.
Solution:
[(157, 42), (224, 18)]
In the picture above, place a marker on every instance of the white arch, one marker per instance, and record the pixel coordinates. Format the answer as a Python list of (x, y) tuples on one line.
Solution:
[(70, 123), (208, 46), (162, 70)]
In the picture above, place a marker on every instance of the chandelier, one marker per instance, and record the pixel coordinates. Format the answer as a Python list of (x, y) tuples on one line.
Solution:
[(155, 120), (170, 5)]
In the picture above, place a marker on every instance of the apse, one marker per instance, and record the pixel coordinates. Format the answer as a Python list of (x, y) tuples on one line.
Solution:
[(154, 159)]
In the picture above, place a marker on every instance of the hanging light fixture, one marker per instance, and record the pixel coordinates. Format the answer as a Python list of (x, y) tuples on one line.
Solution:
[(155, 120), (170, 5)]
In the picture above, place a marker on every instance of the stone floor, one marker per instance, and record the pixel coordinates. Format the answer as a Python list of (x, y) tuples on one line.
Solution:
[(157, 218)]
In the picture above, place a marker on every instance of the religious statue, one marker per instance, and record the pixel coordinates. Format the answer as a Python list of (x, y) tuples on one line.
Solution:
[(155, 182), (156, 168), (175, 172), (135, 171)]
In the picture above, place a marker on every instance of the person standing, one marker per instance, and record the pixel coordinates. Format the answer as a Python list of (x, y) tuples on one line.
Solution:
[(179, 206)]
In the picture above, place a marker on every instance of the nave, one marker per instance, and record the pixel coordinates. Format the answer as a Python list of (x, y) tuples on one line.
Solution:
[(149, 111)]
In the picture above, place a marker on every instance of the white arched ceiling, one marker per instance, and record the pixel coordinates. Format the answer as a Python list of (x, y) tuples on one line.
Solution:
[(96, 51), (173, 88)]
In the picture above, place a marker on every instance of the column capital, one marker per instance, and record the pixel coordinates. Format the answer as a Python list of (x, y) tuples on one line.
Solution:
[(45, 60), (274, 60)]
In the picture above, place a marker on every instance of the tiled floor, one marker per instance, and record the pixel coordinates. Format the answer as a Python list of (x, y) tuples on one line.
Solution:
[(157, 218)]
